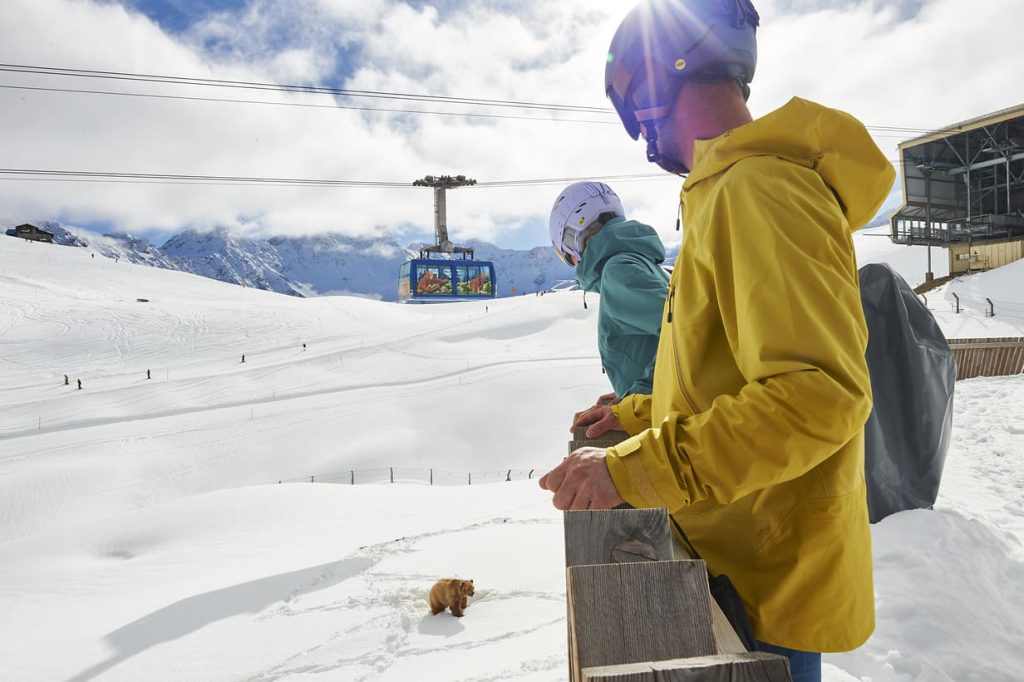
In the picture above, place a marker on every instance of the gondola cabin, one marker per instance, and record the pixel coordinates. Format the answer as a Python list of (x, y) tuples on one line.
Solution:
[(436, 280)]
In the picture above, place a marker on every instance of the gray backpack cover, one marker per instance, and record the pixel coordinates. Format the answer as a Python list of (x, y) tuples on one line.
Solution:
[(912, 372)]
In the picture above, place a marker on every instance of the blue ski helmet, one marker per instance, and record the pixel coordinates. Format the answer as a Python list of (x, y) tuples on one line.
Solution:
[(661, 43)]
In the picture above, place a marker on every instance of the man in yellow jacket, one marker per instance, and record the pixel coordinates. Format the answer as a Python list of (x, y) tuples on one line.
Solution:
[(753, 437)]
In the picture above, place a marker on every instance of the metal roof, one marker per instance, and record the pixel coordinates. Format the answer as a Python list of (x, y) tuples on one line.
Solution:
[(965, 126)]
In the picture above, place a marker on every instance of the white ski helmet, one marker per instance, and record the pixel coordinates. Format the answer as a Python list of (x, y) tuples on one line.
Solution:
[(577, 208)]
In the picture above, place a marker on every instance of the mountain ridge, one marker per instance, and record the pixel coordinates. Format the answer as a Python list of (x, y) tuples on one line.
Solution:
[(318, 265)]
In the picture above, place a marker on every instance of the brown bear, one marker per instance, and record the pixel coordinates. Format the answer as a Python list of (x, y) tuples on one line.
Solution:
[(450, 593)]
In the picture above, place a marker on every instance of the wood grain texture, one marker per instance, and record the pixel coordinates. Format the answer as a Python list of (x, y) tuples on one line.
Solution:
[(726, 639), (611, 537), (606, 440), (987, 357), (748, 667), (616, 536), (636, 612)]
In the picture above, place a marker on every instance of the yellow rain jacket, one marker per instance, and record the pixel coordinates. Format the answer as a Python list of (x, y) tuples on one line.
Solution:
[(753, 437)]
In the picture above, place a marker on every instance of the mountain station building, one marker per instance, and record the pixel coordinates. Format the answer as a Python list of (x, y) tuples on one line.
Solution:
[(32, 233), (963, 190)]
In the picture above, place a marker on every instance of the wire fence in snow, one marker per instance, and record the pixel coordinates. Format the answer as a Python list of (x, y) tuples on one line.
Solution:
[(422, 476)]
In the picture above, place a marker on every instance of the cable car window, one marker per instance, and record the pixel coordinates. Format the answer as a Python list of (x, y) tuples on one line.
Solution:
[(433, 281), (473, 280)]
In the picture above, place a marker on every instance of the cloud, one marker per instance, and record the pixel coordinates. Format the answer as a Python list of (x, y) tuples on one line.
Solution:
[(908, 63)]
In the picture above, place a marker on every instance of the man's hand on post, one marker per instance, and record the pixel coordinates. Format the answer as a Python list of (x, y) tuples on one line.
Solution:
[(599, 418), (582, 482)]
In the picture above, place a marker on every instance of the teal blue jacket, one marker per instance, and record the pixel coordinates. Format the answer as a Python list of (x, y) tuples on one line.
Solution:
[(622, 263)]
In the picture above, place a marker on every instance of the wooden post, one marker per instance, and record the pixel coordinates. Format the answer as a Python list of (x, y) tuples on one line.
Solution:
[(750, 667), (621, 535), (391, 471), (726, 639), (580, 440), (624, 537), (609, 537), (617, 536), (636, 612)]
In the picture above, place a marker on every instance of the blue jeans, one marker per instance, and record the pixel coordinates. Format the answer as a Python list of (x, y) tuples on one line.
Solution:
[(803, 666)]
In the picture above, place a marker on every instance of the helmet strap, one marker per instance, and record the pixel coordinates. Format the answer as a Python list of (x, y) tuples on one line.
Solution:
[(652, 142), (650, 126), (654, 155)]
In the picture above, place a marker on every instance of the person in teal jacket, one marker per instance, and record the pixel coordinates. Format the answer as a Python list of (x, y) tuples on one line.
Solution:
[(620, 260)]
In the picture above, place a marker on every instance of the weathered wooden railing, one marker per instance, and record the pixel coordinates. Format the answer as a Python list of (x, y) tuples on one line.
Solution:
[(987, 357), (639, 609), (637, 615)]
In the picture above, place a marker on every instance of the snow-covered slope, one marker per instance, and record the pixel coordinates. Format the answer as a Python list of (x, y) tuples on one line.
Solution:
[(329, 264), (1004, 287), (143, 535), (333, 264)]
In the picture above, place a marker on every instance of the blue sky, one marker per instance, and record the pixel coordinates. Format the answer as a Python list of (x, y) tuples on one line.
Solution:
[(177, 15), (888, 62)]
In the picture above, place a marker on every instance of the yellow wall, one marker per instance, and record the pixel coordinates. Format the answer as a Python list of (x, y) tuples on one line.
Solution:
[(984, 256)]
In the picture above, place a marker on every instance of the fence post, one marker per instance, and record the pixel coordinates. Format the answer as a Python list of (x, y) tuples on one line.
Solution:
[(431, 477), (957, 301), (470, 478), (620, 552), (991, 308), (311, 479), (392, 470), (530, 475), (352, 474), (508, 476)]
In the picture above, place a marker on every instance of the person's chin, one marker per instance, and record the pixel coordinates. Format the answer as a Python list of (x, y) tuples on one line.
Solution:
[(672, 167)]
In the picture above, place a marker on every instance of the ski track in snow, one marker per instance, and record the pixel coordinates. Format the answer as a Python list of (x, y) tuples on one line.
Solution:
[(72, 425), (403, 610)]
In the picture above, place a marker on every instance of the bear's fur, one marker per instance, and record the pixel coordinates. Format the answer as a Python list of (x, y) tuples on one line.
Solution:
[(450, 593)]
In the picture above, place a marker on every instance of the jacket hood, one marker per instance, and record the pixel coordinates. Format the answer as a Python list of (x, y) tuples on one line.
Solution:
[(617, 236), (832, 143)]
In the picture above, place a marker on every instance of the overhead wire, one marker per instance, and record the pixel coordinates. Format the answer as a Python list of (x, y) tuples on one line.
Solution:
[(173, 178), (308, 105), (309, 89), (342, 92)]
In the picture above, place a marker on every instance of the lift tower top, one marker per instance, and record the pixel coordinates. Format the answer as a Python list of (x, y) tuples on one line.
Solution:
[(442, 184)]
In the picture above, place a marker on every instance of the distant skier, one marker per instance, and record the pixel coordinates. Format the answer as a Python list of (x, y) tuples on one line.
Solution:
[(79, 384), (148, 375), (303, 346), (66, 381), (243, 358)]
